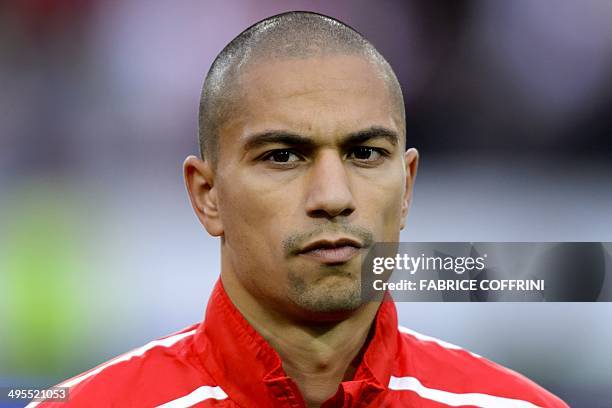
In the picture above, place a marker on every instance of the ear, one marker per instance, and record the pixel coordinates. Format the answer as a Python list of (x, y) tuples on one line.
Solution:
[(411, 159), (199, 181)]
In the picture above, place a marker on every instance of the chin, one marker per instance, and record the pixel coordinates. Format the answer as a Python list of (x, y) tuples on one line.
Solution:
[(329, 297)]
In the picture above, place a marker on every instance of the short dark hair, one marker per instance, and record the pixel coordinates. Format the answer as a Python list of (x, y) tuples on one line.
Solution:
[(295, 34)]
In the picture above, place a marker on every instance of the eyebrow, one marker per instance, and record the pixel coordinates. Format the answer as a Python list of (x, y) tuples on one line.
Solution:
[(374, 132), (296, 140)]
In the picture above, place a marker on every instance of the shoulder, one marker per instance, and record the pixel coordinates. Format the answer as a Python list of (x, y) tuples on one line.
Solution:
[(156, 372), (440, 368)]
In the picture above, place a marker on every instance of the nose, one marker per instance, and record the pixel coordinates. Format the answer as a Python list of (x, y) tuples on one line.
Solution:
[(328, 191)]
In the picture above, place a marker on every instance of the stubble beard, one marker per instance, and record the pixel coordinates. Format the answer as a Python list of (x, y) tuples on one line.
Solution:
[(338, 292)]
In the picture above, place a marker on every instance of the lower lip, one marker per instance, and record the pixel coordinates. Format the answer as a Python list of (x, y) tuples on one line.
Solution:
[(332, 255)]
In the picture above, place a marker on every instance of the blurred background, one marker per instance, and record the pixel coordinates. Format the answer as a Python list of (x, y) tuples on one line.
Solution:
[(509, 104)]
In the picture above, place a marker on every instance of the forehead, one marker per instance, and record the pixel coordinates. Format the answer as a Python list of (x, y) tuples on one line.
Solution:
[(317, 96)]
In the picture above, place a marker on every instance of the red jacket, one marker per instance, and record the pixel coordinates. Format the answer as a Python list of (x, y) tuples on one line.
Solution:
[(224, 362)]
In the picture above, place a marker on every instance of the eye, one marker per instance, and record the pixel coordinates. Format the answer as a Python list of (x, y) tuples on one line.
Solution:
[(367, 154), (281, 156)]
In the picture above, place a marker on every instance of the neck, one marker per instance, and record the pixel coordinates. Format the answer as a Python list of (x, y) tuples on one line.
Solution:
[(317, 356)]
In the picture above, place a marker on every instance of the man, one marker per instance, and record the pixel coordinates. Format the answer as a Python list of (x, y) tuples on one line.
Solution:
[(302, 135)]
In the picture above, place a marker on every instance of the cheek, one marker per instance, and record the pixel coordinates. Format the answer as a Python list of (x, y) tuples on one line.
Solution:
[(254, 215), (381, 203)]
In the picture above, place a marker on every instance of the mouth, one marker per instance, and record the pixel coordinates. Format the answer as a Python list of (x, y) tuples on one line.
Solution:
[(330, 251)]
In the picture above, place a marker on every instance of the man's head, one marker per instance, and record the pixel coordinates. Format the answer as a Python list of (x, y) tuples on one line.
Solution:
[(302, 133)]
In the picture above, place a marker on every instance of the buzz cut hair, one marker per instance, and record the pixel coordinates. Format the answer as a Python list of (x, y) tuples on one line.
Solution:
[(295, 34)]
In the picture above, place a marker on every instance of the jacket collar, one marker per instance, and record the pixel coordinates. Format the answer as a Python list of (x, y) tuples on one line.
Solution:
[(250, 371)]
